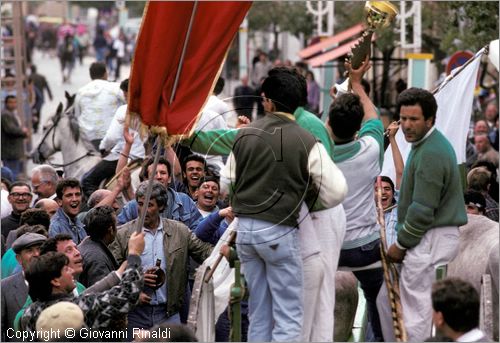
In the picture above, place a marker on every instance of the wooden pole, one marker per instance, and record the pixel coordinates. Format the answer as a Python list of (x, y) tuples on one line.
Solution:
[(140, 222), (392, 284)]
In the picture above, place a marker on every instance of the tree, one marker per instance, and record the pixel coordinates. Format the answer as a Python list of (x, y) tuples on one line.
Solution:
[(457, 25), (277, 17), (471, 25)]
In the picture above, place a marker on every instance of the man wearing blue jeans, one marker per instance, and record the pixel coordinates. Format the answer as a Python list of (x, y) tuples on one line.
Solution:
[(271, 176)]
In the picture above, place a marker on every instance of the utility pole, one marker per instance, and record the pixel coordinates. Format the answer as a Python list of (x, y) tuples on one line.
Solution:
[(243, 49), (419, 63), (324, 13)]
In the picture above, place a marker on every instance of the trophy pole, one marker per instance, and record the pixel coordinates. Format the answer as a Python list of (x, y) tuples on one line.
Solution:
[(378, 15)]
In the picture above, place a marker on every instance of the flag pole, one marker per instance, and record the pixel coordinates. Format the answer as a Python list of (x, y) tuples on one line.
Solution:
[(158, 141), (483, 51)]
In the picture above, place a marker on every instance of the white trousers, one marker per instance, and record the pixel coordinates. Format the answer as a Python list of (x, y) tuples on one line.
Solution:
[(314, 272), (330, 225), (418, 272)]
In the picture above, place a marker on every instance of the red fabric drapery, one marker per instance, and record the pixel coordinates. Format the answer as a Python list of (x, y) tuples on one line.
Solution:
[(158, 54)]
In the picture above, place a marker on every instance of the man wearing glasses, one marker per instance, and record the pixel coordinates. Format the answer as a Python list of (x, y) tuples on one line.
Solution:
[(44, 180), (20, 199)]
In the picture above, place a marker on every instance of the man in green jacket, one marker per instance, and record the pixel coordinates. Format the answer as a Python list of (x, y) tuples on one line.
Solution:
[(430, 210)]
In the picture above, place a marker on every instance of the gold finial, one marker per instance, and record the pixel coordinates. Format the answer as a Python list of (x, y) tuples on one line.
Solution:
[(379, 14)]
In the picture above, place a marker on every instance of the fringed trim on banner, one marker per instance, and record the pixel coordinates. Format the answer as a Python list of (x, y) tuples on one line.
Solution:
[(133, 121)]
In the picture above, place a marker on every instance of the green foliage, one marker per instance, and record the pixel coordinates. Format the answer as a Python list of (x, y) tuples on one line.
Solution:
[(280, 16), (459, 25), (135, 8), (480, 22)]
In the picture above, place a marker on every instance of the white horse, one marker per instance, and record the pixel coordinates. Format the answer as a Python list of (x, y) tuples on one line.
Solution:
[(63, 134)]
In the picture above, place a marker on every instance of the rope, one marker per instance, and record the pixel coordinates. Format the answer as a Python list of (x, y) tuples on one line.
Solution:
[(390, 274), (57, 165)]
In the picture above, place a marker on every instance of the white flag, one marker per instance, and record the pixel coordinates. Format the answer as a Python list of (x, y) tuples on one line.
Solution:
[(454, 101)]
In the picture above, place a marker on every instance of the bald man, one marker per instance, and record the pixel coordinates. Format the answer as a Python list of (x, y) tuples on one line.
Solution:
[(485, 151), (50, 206)]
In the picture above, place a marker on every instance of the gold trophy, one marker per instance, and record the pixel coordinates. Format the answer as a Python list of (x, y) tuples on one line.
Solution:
[(378, 15)]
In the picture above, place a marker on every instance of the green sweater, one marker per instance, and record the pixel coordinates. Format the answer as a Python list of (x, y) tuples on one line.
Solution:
[(431, 193), (79, 289), (220, 142)]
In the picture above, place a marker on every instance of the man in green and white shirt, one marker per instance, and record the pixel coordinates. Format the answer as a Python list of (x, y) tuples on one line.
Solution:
[(359, 147)]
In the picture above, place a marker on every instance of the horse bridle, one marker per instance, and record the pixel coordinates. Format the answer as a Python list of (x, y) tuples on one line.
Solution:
[(44, 159)]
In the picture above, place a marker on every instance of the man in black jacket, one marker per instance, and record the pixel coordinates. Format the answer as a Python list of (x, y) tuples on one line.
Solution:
[(98, 261), (20, 198), (13, 136)]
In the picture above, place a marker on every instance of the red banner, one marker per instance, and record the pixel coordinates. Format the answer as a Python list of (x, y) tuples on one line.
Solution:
[(158, 54)]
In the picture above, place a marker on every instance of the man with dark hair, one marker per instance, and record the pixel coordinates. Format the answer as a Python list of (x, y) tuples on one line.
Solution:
[(478, 179), (474, 202), (64, 243), (40, 87), (20, 198), (13, 136), (194, 169), (170, 243), (217, 105), (267, 239), (69, 198), (98, 261), (44, 181), (95, 104), (32, 216), (179, 206), (358, 134), (14, 288), (98, 70), (455, 305), (111, 147), (51, 280), (430, 210), (244, 99), (222, 141), (208, 195)]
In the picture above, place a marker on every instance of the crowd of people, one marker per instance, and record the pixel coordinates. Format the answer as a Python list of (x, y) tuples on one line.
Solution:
[(302, 193)]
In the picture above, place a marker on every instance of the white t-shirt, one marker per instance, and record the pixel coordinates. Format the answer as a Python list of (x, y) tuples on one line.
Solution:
[(114, 141), (6, 206), (361, 162), (217, 105), (119, 46), (95, 105)]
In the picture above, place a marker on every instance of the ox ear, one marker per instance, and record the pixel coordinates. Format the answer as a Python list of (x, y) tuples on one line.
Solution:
[(66, 95)]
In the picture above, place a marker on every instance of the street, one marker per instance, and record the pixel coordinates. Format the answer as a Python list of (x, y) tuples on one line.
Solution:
[(50, 68)]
